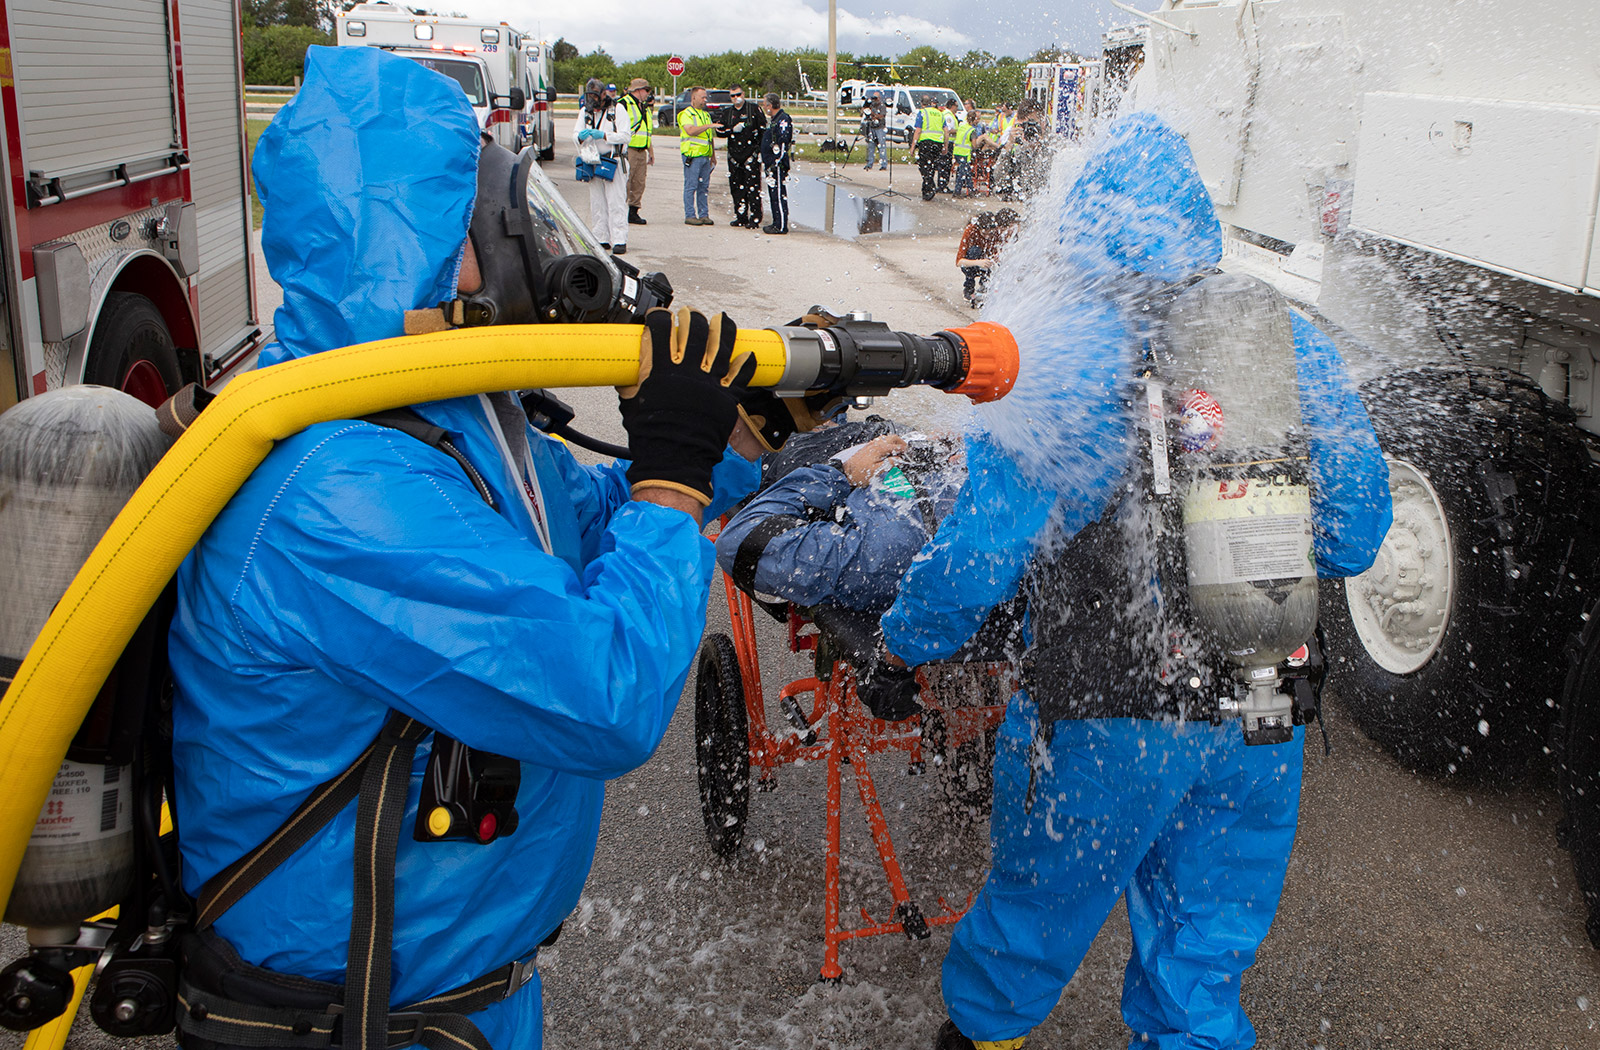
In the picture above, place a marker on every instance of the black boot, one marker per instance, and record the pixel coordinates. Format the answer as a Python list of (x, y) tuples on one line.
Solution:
[(635, 219), (950, 1038)]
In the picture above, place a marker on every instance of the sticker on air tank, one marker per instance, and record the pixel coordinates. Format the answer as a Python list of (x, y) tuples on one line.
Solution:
[(1200, 422), (86, 802), (1243, 530)]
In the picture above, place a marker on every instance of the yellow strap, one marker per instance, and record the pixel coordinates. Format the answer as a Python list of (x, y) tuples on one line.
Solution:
[(999, 1044)]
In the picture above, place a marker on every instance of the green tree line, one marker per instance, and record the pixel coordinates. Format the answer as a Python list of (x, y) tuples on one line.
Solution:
[(276, 35), (978, 74)]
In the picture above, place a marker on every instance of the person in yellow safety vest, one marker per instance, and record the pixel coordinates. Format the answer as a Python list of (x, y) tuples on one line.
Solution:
[(1004, 117), (961, 153), (930, 146), (641, 151), (697, 146)]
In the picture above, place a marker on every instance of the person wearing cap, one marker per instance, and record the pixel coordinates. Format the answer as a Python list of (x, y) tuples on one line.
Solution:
[(641, 150), (602, 134), (697, 145), (742, 122)]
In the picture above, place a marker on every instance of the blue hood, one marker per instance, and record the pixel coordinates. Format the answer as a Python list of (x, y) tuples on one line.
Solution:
[(367, 178), (1139, 204)]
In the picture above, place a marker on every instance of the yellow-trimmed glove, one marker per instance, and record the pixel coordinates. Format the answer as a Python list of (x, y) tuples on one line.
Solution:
[(680, 413)]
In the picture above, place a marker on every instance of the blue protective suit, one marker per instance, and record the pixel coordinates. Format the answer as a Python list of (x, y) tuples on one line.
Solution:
[(358, 572), (854, 551), (1192, 824)]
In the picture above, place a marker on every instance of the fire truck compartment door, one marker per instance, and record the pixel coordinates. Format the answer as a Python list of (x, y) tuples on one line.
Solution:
[(217, 177), (94, 84), (1512, 186)]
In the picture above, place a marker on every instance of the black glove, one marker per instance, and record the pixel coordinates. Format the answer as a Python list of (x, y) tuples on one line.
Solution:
[(679, 415), (773, 419)]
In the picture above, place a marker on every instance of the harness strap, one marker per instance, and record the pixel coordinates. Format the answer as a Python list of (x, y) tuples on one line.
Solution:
[(754, 545), (226, 888), (379, 814), (410, 423)]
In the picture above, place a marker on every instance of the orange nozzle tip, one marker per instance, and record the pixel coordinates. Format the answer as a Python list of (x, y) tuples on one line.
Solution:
[(993, 361)]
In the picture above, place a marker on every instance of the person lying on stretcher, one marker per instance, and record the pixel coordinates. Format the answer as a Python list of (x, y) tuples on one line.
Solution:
[(840, 515)]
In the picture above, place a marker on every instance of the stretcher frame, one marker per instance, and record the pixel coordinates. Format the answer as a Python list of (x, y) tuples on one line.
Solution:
[(840, 731)]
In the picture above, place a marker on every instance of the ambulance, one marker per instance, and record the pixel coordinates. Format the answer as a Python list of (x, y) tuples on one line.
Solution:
[(485, 58)]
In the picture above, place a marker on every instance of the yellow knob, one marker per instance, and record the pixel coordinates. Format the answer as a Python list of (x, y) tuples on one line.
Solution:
[(439, 822)]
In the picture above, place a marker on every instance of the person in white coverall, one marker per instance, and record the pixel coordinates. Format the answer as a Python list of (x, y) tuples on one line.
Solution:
[(603, 126)]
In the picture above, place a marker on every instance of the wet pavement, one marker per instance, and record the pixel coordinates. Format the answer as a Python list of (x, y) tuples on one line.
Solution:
[(1417, 913)]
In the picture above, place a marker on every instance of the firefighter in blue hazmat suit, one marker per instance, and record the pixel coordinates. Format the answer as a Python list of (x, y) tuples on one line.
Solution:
[(1124, 790), (481, 584)]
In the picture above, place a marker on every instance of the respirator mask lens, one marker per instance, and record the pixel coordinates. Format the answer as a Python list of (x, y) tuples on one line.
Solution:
[(539, 262)]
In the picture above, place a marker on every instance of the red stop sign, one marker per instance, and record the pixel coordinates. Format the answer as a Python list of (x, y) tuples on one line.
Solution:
[(674, 66)]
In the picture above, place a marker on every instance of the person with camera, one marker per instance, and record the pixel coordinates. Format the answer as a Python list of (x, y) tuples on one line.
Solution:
[(742, 122), (641, 147), (602, 137), (875, 129), (1118, 773), (442, 580)]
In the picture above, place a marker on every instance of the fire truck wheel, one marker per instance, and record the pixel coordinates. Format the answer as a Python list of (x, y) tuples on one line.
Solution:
[(1578, 766), (548, 153), (1448, 652), (721, 744), (133, 351)]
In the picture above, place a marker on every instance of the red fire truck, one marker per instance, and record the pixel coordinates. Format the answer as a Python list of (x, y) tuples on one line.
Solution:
[(125, 253)]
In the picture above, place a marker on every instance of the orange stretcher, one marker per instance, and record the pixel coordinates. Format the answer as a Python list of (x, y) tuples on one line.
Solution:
[(823, 720)]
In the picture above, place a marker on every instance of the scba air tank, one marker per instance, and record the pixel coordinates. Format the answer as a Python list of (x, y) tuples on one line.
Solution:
[(69, 460), (1242, 474)]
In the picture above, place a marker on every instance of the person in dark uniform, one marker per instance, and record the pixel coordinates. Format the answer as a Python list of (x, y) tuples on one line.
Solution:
[(743, 122), (776, 143)]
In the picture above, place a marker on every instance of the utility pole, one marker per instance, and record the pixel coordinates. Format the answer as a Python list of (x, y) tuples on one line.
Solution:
[(833, 71)]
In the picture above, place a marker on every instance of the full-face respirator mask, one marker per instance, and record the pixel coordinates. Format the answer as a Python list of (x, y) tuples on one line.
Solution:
[(540, 263)]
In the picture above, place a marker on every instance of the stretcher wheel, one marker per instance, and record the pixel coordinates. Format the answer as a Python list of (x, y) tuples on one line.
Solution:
[(721, 744)]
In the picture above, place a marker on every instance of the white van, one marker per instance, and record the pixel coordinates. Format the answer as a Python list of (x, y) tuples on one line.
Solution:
[(539, 83), (485, 58), (902, 101)]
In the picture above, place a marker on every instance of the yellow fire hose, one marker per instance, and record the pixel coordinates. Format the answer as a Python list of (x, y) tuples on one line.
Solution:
[(166, 516)]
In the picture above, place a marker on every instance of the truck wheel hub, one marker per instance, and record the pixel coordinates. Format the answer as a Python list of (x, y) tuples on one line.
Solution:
[(1401, 606)]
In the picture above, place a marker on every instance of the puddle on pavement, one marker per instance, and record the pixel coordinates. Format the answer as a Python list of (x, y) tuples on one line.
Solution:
[(847, 210)]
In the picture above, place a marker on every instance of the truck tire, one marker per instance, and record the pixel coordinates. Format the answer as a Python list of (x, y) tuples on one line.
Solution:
[(548, 153), (721, 744), (132, 350), (1577, 740), (1448, 651)]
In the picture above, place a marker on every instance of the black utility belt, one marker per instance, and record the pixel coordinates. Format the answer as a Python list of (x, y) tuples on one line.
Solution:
[(226, 1003), (1062, 687)]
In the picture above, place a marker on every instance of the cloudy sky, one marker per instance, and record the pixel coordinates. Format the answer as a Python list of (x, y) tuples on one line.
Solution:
[(892, 27)]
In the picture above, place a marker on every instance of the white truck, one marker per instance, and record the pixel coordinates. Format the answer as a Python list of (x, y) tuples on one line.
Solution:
[(902, 102), (1423, 179), (125, 251), (539, 84), (485, 58)]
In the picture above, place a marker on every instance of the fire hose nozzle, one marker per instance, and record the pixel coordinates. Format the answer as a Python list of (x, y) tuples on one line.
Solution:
[(992, 361), (858, 358)]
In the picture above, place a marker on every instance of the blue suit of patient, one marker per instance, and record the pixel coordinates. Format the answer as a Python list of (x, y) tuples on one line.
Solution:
[(1191, 824), (358, 572)]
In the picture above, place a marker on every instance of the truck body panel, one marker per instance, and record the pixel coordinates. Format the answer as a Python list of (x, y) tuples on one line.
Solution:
[(124, 150), (485, 58)]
